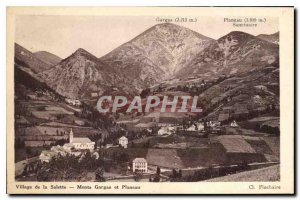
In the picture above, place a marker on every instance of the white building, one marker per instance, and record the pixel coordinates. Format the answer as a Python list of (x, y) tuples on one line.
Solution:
[(140, 165), (123, 141), (46, 156), (234, 124), (80, 142), (79, 122), (196, 127), (74, 102), (166, 130), (94, 94), (74, 143)]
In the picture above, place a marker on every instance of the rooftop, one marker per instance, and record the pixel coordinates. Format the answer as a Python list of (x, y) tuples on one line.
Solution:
[(139, 160), (123, 138), (81, 140)]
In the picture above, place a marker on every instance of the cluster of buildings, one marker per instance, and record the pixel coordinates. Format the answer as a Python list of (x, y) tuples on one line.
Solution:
[(75, 144), (155, 119), (73, 102)]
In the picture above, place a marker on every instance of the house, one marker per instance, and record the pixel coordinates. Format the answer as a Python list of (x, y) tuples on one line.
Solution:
[(213, 124), (192, 128), (123, 141), (74, 102), (46, 156), (234, 124), (165, 130), (80, 142), (79, 122), (140, 165), (196, 127), (94, 94), (68, 147), (59, 149)]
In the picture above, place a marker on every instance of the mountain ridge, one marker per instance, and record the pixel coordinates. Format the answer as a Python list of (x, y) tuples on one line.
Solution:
[(160, 52), (47, 57)]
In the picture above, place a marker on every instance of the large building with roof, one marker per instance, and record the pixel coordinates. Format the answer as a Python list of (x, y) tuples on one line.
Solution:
[(140, 165), (80, 142), (123, 141), (234, 149)]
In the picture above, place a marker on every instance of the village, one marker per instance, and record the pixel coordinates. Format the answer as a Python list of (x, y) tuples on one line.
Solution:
[(167, 144), (229, 135)]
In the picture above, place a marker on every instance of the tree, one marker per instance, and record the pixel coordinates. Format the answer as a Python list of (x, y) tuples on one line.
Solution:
[(28, 151), (180, 173), (174, 173), (158, 171), (99, 174), (137, 176), (156, 178)]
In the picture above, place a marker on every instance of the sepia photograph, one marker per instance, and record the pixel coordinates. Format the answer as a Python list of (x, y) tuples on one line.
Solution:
[(166, 98)]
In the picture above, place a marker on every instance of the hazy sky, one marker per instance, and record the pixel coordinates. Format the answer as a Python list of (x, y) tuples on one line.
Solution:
[(62, 35)]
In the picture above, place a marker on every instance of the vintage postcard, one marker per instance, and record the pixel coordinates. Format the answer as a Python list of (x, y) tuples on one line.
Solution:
[(150, 100)]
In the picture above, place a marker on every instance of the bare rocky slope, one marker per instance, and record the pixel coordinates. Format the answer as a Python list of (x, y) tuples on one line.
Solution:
[(274, 38), (233, 53), (147, 59), (47, 57), (162, 52), (28, 60), (80, 74)]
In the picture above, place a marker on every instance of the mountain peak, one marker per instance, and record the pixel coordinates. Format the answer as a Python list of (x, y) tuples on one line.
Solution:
[(84, 53), (239, 34), (80, 51), (168, 24)]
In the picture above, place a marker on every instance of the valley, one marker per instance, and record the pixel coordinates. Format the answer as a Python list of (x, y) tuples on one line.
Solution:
[(236, 80)]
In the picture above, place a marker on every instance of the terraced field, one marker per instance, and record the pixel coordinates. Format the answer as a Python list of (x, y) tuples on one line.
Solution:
[(265, 174)]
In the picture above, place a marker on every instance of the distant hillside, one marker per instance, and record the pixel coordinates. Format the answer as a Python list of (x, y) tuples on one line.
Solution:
[(26, 58), (48, 58), (274, 38), (233, 53)]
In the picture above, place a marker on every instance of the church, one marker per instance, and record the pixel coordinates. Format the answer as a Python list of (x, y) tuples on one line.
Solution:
[(79, 142)]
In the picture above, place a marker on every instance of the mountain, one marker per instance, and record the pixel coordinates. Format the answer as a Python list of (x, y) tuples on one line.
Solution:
[(28, 60), (149, 58), (233, 53), (47, 57), (274, 38), (82, 73), (164, 51), (73, 75), (157, 53)]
